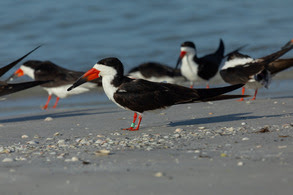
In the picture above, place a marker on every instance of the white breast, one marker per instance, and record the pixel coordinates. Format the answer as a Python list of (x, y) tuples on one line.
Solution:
[(28, 71), (253, 84), (189, 68)]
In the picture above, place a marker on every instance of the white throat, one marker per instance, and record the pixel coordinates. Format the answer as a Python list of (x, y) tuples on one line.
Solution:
[(28, 71), (108, 87)]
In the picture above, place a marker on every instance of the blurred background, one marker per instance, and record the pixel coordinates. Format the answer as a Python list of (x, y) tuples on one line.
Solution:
[(76, 34)]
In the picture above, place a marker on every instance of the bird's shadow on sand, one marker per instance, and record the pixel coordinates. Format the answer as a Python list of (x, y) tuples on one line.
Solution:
[(55, 115), (219, 119)]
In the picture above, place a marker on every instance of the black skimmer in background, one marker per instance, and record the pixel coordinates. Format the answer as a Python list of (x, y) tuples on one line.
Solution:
[(141, 95), (194, 68), (60, 79), (240, 68), (156, 72), (8, 88)]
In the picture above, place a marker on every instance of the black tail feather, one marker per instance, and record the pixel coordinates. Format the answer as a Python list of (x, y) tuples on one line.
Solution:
[(213, 92)]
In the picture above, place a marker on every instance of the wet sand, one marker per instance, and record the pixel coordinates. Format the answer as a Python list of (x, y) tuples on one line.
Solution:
[(223, 147)]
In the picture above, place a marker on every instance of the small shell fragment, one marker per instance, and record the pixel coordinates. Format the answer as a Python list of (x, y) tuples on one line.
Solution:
[(102, 152), (178, 130), (48, 119), (7, 160), (159, 174)]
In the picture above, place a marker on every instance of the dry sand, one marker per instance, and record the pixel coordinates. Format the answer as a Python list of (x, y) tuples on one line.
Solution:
[(224, 147)]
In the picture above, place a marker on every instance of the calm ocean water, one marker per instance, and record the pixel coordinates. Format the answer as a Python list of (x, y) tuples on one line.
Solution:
[(77, 34)]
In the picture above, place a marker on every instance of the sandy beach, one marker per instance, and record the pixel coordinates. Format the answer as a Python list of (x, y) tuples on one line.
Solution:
[(224, 147)]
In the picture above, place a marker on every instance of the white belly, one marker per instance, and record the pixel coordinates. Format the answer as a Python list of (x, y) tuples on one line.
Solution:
[(62, 92), (189, 69), (252, 84)]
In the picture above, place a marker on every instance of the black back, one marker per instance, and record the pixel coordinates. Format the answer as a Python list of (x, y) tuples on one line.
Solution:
[(58, 76), (155, 69), (141, 95)]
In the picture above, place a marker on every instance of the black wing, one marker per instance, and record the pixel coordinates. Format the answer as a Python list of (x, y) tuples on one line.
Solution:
[(141, 95), (241, 73), (58, 75), (150, 69), (279, 65)]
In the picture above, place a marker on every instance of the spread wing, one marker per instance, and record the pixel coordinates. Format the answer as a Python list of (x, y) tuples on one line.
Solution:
[(280, 65)]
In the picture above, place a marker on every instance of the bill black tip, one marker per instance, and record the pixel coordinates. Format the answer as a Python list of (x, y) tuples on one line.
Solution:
[(70, 88)]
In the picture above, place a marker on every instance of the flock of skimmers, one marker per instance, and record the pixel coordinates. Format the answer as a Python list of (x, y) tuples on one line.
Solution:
[(152, 86)]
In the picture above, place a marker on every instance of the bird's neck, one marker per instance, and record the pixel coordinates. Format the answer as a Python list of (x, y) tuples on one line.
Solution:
[(117, 80)]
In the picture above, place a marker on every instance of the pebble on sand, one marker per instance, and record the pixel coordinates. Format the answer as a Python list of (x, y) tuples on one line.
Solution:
[(32, 142), (240, 163), (159, 174), (245, 139), (24, 136)]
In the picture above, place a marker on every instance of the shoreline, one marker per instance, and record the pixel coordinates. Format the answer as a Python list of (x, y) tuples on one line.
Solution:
[(207, 147)]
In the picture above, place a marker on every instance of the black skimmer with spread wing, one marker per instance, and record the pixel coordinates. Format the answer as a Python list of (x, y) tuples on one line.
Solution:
[(60, 79), (156, 72), (194, 68), (141, 95), (8, 88), (254, 73)]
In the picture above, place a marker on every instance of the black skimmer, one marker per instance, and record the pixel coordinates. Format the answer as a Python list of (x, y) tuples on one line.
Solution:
[(194, 68), (60, 79), (141, 95), (156, 72), (8, 88), (240, 68)]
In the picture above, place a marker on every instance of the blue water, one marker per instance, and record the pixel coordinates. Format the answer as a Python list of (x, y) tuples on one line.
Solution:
[(76, 34)]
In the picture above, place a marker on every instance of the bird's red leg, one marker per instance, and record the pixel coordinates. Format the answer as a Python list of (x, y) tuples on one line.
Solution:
[(133, 122), (55, 105), (254, 95), (243, 91), (47, 103), (139, 120)]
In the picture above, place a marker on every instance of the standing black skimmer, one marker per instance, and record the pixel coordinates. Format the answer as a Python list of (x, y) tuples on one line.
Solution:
[(194, 68), (240, 68), (141, 95), (6, 88), (60, 79), (156, 72)]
